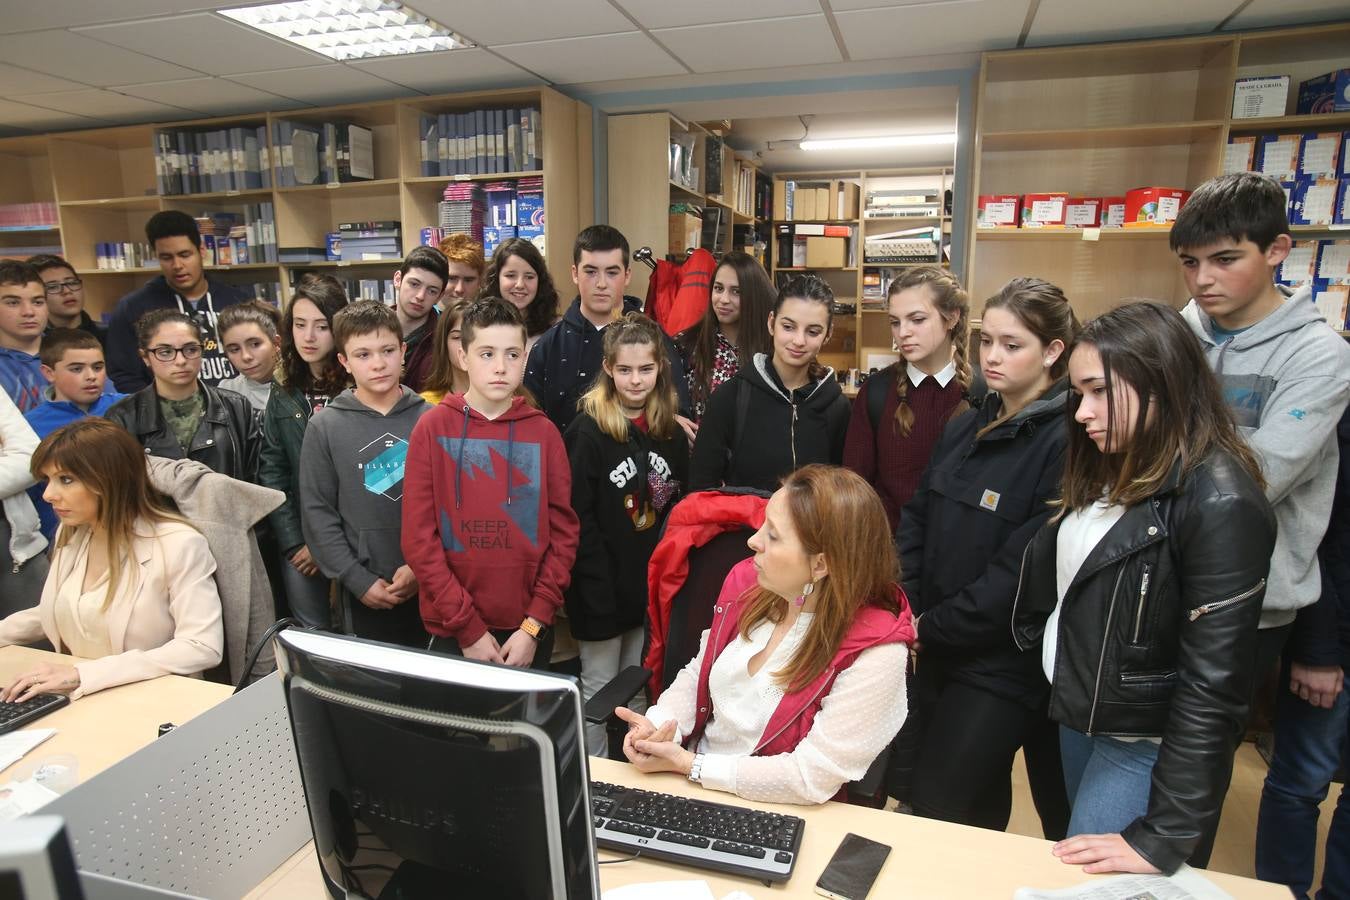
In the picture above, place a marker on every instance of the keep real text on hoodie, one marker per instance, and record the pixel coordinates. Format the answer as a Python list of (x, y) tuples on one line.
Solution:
[(488, 526)]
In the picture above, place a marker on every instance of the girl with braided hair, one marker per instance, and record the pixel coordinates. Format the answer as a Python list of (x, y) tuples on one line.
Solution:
[(900, 412)]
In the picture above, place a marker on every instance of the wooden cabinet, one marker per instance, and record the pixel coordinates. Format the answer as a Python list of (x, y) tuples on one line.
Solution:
[(1099, 120), (105, 184)]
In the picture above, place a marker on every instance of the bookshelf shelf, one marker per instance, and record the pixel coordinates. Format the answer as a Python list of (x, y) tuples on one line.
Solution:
[(1317, 229), (28, 229), (390, 264), (1098, 120), (105, 184)]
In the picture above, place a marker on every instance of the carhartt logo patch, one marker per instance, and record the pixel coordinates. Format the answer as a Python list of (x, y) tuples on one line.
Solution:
[(989, 500)]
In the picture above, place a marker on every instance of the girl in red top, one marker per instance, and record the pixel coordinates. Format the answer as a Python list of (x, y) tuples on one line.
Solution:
[(799, 683), (889, 443)]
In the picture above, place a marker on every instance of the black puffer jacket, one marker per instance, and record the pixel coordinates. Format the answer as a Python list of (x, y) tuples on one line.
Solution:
[(961, 538), (227, 440), (755, 431), (1157, 634)]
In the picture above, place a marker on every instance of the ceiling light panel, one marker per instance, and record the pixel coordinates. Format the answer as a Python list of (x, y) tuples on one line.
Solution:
[(350, 29)]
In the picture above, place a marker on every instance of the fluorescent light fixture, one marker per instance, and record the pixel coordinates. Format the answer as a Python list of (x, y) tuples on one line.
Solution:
[(867, 143), (350, 29)]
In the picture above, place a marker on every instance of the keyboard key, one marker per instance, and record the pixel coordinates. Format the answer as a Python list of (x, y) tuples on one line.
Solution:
[(782, 856)]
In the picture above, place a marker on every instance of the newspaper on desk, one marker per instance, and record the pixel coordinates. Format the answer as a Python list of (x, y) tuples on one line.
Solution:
[(1186, 884)]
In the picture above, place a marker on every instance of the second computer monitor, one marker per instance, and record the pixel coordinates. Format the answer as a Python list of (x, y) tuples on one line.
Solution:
[(434, 776)]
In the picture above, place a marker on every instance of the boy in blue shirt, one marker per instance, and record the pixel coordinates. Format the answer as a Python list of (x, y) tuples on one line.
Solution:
[(23, 318), (72, 363)]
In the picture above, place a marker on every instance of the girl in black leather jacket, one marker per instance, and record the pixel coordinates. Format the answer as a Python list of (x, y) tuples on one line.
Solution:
[(1144, 593), (178, 416)]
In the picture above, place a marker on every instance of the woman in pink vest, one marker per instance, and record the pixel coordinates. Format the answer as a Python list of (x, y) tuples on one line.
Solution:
[(799, 683)]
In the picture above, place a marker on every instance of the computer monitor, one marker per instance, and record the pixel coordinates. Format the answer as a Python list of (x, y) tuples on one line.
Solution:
[(434, 776), (36, 862)]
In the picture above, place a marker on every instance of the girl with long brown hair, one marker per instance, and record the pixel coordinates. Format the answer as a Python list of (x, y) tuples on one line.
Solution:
[(630, 462), (799, 683), (1144, 594), (988, 487), (131, 589), (445, 375), (889, 442), (519, 275), (731, 332)]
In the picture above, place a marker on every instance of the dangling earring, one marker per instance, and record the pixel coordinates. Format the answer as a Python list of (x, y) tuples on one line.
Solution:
[(807, 590)]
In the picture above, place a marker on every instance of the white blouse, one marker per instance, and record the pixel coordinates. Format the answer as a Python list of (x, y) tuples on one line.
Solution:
[(857, 719)]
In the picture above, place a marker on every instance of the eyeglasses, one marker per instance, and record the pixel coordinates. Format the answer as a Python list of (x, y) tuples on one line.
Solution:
[(167, 354), (70, 284)]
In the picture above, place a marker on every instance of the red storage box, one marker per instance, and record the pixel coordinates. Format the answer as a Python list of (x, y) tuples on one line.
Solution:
[(1083, 212), (1153, 206), (997, 210), (1043, 210), (1113, 212)]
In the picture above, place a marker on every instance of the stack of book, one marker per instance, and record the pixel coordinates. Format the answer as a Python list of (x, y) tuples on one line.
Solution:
[(380, 289), (902, 204), (291, 256), (230, 238), (27, 216), (463, 209), (123, 255), (363, 241), (480, 142), (196, 161), (321, 153)]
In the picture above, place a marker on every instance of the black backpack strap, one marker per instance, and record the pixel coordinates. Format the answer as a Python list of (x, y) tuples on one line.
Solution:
[(876, 388)]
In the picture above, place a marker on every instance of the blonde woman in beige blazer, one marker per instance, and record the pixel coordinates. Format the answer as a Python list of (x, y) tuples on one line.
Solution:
[(131, 588)]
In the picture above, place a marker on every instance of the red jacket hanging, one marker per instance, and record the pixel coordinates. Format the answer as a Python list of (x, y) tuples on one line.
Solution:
[(677, 293)]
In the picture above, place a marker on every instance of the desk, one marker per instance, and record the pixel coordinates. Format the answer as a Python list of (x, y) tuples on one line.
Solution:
[(929, 859), (104, 728)]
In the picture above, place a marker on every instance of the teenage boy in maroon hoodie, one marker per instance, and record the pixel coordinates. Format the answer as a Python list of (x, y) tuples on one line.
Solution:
[(488, 526)]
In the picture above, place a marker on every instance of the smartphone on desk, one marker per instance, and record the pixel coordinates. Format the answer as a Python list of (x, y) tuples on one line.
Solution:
[(853, 869)]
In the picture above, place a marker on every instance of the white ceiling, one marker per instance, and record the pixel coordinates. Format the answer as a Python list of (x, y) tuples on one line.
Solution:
[(85, 63)]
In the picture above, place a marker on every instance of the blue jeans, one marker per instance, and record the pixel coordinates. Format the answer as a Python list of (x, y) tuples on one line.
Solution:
[(1107, 779), (1308, 746)]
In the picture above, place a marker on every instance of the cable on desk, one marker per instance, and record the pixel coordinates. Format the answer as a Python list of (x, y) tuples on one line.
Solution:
[(610, 862)]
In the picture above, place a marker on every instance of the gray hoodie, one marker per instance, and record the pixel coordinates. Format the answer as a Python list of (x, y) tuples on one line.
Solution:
[(351, 488), (1287, 380)]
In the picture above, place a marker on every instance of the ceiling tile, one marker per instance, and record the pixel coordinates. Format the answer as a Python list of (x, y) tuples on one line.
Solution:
[(206, 42), (1075, 22), (447, 70), (1261, 13), (14, 80), (22, 115), (74, 56), (106, 105), (601, 58), (664, 14), (516, 21), (209, 96), (73, 13), (930, 29), (323, 85), (752, 45)]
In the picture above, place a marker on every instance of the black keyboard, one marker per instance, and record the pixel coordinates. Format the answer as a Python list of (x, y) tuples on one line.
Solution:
[(16, 715), (697, 833)]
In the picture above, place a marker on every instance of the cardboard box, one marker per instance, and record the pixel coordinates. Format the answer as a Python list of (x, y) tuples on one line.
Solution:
[(685, 231), (1333, 262), (1043, 210), (1083, 212), (824, 202), (1153, 206), (1331, 300), (1240, 155), (1113, 212), (826, 252), (1255, 98), (846, 200), (1277, 155), (803, 203), (1319, 154), (997, 210), (1327, 93), (1313, 201), (780, 210)]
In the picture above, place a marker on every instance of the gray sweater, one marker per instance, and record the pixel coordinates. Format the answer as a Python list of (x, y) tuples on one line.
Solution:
[(351, 488), (1287, 380)]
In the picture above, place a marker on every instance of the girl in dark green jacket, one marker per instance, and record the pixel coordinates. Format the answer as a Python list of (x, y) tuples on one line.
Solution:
[(307, 379)]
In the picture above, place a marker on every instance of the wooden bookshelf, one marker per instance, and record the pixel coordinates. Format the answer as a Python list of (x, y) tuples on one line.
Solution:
[(104, 183), (867, 329), (1102, 119), (641, 191)]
